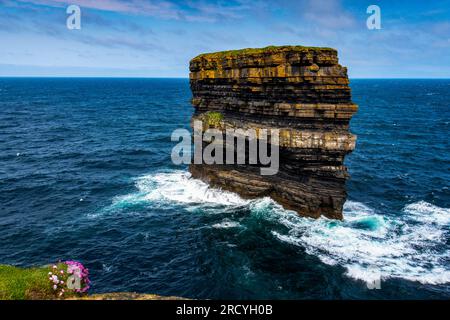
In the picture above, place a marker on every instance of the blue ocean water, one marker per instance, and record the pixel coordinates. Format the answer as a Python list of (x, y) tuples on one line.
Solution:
[(85, 174)]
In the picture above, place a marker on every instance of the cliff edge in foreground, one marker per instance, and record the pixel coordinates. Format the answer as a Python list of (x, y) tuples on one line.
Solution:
[(301, 91)]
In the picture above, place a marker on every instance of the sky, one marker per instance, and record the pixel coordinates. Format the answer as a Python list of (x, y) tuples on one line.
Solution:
[(150, 38)]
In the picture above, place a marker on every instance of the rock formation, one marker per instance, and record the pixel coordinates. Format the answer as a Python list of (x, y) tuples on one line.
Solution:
[(303, 92)]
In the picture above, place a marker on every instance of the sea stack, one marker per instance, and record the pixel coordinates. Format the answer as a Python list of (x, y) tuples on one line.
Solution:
[(301, 91)]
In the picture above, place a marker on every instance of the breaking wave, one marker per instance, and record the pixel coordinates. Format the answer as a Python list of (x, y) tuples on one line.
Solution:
[(410, 244), (177, 186)]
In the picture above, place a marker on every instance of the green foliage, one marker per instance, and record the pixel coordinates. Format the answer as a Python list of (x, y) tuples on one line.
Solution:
[(19, 284), (269, 49), (29, 283), (212, 118)]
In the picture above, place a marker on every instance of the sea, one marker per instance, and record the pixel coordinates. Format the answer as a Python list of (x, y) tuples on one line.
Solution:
[(86, 174)]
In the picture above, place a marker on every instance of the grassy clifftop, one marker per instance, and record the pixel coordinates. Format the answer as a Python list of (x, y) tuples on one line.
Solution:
[(259, 51), (18, 284), (33, 284)]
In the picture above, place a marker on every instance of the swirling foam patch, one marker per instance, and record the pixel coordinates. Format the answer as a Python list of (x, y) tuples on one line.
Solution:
[(410, 245)]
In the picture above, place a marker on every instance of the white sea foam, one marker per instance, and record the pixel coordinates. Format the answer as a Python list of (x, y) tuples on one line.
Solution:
[(178, 186), (409, 245), (425, 212), (225, 224)]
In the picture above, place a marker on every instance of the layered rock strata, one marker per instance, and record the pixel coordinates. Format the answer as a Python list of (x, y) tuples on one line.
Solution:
[(301, 91)]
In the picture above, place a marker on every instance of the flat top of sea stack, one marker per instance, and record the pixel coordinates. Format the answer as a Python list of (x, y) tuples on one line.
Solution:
[(262, 51)]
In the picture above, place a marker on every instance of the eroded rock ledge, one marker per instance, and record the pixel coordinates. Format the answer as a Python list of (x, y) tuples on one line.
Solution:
[(303, 92)]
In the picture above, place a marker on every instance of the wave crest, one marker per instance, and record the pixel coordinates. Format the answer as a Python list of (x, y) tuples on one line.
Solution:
[(179, 187), (409, 245)]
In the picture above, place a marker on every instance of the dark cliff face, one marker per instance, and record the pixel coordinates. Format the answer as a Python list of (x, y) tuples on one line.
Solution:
[(301, 91)]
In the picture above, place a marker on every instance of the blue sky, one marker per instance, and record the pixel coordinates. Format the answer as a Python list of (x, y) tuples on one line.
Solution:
[(150, 38)]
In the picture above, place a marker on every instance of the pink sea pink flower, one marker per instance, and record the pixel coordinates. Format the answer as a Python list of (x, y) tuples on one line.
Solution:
[(77, 269)]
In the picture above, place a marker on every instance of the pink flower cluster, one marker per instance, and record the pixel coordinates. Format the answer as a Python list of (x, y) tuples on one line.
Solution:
[(77, 269), (69, 277), (58, 277)]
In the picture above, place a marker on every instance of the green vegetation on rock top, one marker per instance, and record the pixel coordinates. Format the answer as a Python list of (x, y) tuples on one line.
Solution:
[(212, 118), (255, 51)]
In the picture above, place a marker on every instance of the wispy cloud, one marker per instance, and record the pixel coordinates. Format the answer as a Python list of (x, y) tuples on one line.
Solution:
[(160, 8), (328, 14), (117, 24), (167, 33), (194, 10), (116, 42)]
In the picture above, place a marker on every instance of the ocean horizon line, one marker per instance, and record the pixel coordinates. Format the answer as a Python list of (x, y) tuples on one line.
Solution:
[(113, 77)]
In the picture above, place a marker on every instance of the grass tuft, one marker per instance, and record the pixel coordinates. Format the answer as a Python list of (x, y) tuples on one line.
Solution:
[(212, 118), (32, 283), (19, 284)]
